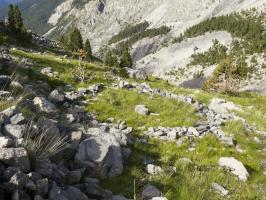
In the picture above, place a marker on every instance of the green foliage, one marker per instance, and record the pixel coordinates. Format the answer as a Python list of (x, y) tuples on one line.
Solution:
[(126, 60), (110, 59), (18, 22), (129, 31), (249, 28), (64, 40), (11, 17), (75, 41), (2, 39), (16, 26), (214, 55), (144, 34), (79, 3), (87, 48)]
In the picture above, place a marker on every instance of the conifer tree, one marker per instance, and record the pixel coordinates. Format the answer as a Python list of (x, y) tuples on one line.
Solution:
[(110, 59), (126, 60), (87, 48), (75, 41), (11, 20), (18, 22)]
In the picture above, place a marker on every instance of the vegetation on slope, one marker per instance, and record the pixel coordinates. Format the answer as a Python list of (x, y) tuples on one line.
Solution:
[(192, 181), (245, 26), (129, 31)]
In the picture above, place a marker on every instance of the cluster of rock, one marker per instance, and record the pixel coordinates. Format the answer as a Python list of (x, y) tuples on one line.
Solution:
[(94, 150), (214, 117), (43, 41)]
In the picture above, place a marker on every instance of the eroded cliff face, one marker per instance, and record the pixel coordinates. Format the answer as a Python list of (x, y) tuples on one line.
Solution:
[(99, 20)]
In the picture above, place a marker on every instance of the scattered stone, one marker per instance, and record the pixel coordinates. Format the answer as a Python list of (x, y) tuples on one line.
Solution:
[(141, 109), (17, 119), (5, 142), (236, 166), (42, 187), (44, 167), (4, 81), (220, 189), (16, 157), (185, 160), (18, 180), (74, 177), (14, 131), (150, 192), (56, 96), (44, 105), (153, 169)]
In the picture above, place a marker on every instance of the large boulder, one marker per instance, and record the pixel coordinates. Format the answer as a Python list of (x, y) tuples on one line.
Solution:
[(103, 153), (235, 166), (16, 157)]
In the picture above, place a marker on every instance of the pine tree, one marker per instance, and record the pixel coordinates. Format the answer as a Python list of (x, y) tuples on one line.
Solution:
[(11, 20), (110, 59), (126, 60), (75, 41), (87, 48), (18, 22)]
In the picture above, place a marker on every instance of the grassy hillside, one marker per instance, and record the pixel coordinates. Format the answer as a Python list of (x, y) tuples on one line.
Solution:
[(191, 181)]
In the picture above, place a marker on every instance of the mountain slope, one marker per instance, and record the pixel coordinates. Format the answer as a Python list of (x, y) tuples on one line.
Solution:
[(158, 54)]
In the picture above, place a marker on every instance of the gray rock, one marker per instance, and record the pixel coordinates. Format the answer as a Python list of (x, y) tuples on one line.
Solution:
[(46, 70), (75, 138), (150, 191), (56, 96), (5, 94), (17, 119), (104, 152), (70, 193), (126, 152), (4, 81), (141, 109), (5, 141), (74, 177), (153, 169), (119, 197), (44, 167), (44, 105), (235, 166), (42, 187), (220, 189), (19, 180), (9, 172), (16, 157), (158, 198), (227, 140), (14, 131), (9, 112)]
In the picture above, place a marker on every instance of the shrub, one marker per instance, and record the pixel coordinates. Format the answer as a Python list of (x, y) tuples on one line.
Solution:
[(41, 144)]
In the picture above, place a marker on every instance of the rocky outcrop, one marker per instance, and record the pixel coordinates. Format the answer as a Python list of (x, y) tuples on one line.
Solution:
[(103, 153)]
